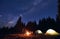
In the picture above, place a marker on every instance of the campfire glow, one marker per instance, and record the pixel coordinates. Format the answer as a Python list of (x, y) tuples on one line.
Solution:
[(27, 33)]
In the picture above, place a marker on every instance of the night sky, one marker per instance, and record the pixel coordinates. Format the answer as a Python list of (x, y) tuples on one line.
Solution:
[(30, 10)]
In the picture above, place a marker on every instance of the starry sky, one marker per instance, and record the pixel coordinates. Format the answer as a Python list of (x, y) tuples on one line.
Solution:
[(30, 10)]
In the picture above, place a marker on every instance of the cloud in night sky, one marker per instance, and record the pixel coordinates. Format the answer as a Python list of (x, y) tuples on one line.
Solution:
[(0, 15), (32, 10)]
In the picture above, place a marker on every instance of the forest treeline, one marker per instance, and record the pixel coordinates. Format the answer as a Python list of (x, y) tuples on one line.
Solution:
[(43, 25)]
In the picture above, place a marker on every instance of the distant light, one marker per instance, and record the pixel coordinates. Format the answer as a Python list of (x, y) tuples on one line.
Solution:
[(39, 32), (51, 32)]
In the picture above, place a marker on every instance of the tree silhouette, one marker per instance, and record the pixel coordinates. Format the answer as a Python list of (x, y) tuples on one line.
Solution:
[(31, 25), (47, 23), (19, 26), (58, 22)]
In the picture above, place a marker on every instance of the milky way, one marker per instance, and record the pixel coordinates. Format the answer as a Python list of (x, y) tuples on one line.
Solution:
[(32, 10)]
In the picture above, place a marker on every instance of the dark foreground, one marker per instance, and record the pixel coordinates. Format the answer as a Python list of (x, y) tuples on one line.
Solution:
[(21, 36)]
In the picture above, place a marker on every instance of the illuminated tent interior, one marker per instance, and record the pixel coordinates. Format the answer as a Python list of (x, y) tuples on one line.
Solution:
[(51, 32), (38, 32)]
